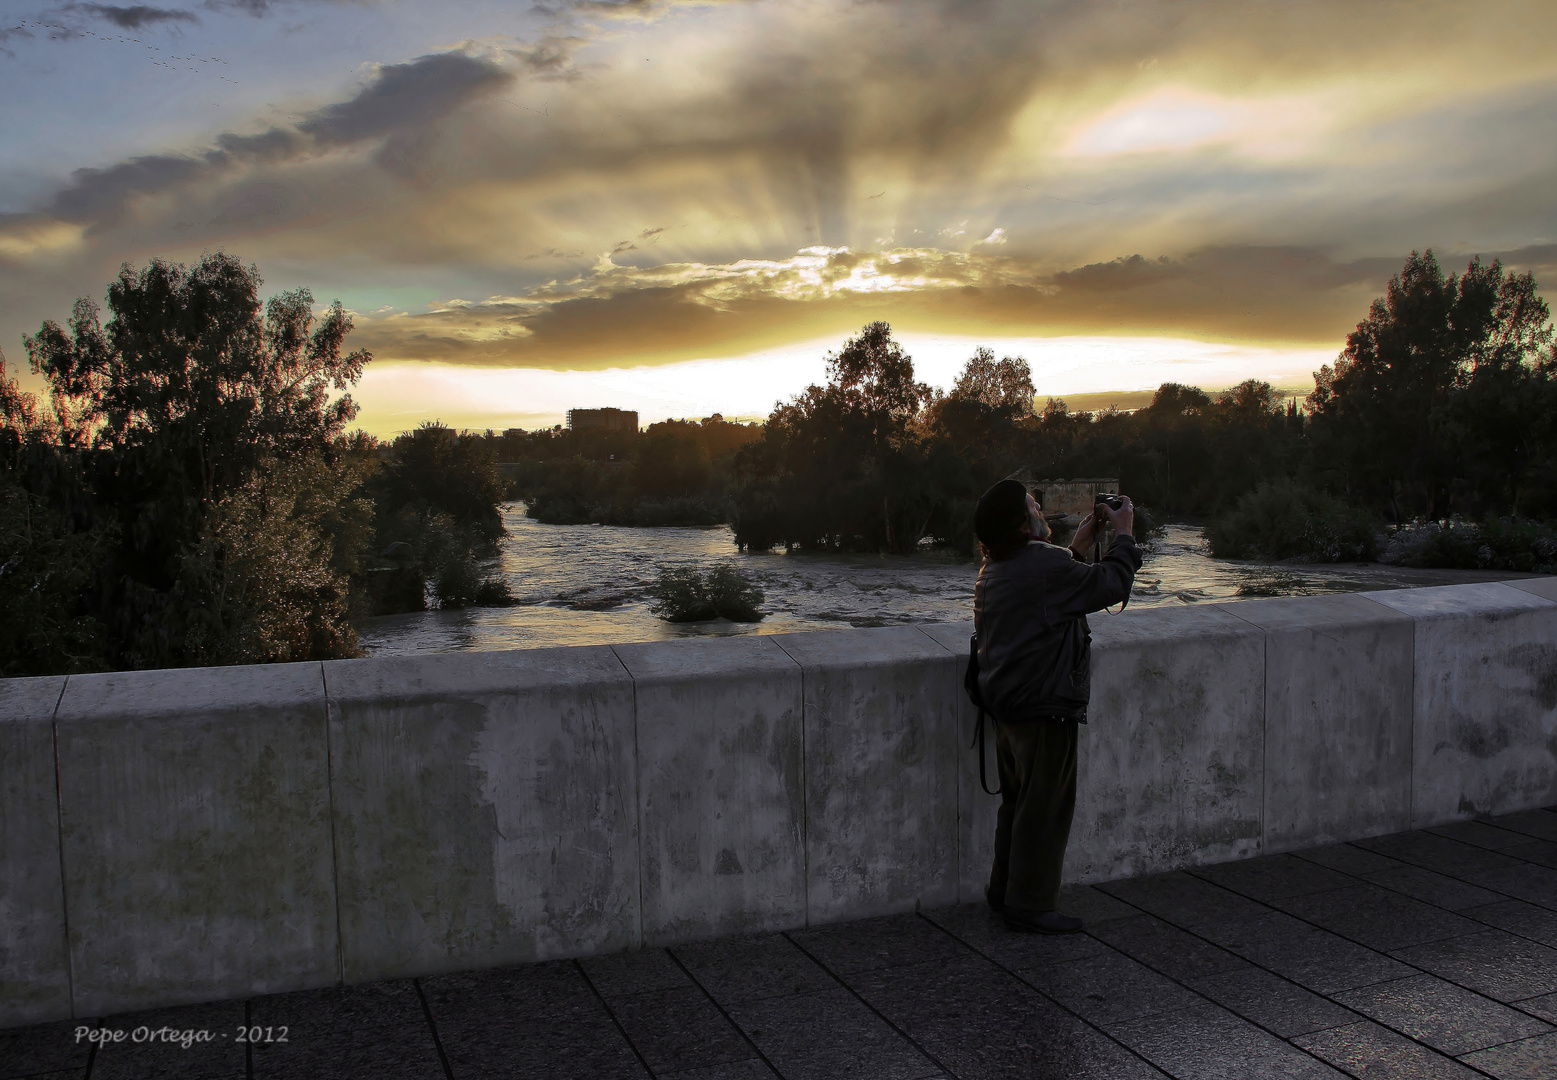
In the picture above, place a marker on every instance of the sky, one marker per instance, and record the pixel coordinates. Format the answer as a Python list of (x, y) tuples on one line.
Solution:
[(680, 206)]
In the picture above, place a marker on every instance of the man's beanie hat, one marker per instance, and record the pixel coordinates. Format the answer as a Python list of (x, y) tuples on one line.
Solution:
[(1000, 512)]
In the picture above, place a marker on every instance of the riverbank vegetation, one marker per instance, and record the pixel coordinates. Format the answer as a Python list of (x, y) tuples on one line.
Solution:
[(189, 493), (687, 594), (676, 472)]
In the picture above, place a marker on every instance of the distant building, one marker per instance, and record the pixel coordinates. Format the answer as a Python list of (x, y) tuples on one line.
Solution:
[(513, 432), (602, 420), (1070, 496)]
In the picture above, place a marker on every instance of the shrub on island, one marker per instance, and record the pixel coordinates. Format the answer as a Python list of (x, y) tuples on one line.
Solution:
[(685, 594)]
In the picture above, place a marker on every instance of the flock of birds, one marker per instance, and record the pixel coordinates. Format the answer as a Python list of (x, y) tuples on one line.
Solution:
[(170, 61)]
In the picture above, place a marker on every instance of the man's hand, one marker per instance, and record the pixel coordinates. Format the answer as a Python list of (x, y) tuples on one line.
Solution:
[(1123, 519), (1086, 533)]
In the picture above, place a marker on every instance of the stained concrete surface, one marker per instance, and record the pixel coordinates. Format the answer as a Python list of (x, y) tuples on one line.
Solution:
[(720, 727), (195, 834), (1326, 962), (33, 981), (1177, 701), (881, 750), (1338, 679), (1476, 644), (485, 809)]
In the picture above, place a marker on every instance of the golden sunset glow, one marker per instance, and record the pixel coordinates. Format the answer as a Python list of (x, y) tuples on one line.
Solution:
[(601, 187)]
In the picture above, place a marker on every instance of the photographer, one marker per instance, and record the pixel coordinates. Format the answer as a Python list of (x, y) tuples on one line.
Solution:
[(1029, 610)]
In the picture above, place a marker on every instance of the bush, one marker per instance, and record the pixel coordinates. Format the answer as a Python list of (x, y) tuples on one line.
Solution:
[(1148, 528), (457, 581), (459, 584), (45, 570), (494, 592), (1499, 544), (688, 595), (1284, 520)]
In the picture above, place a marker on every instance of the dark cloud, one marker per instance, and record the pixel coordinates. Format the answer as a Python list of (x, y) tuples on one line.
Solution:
[(267, 145), (1126, 273), (402, 99), (259, 8), (551, 57), (136, 17), (405, 95), (97, 196)]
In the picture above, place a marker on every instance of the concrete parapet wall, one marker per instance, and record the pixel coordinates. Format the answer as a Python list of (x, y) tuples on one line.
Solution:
[(176, 836), (485, 809)]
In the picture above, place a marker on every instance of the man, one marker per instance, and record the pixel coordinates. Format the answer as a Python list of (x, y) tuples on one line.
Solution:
[(1029, 609)]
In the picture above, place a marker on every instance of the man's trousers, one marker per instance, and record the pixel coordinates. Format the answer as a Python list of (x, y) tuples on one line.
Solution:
[(1037, 762)]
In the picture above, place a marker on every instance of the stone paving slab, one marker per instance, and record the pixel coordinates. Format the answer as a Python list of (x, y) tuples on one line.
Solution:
[(1429, 954)]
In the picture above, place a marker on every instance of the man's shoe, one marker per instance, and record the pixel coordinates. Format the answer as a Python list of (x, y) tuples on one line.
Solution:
[(995, 903), (1041, 922)]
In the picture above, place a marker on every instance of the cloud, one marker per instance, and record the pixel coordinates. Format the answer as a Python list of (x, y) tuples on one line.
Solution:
[(402, 100), (551, 56), (26, 235), (642, 10), (405, 96), (135, 17), (98, 195), (755, 171), (258, 8), (680, 311), (1130, 272)]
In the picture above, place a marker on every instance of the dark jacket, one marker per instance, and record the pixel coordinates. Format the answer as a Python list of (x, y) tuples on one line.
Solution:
[(1030, 612)]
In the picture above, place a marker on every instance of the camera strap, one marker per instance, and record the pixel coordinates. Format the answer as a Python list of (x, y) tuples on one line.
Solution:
[(978, 738), (970, 683)]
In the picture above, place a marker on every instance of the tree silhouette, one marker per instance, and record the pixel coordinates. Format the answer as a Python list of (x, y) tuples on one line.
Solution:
[(1382, 409), (191, 389)]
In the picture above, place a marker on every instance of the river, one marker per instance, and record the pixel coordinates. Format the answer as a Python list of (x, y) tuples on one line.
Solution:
[(586, 585)]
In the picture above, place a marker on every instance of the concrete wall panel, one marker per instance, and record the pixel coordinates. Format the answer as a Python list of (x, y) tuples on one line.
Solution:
[(880, 771), (720, 794), (1338, 676), (195, 831), (975, 807), (485, 807), (238, 831), (1544, 587), (34, 976), (1171, 769), (1485, 699)]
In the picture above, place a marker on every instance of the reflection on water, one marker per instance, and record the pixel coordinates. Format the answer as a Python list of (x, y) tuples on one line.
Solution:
[(586, 585)]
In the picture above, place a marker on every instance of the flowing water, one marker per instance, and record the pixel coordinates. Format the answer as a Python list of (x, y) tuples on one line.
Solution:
[(587, 585)]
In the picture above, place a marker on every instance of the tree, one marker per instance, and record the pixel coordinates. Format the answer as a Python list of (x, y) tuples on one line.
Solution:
[(839, 466), (1503, 420), (434, 469), (47, 560), (997, 384), (1174, 401), (440, 493), (266, 567), (1381, 411), (872, 376), (191, 390), (1251, 399), (669, 461)]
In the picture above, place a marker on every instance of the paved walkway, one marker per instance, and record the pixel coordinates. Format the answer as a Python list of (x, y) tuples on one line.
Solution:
[(1425, 954)]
